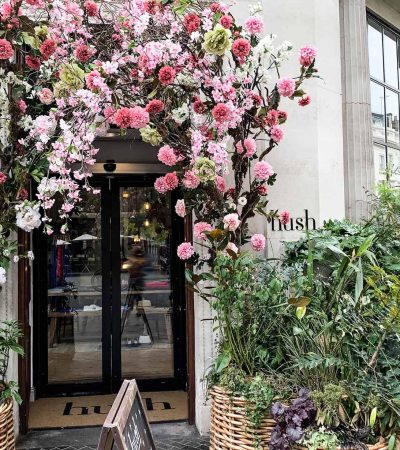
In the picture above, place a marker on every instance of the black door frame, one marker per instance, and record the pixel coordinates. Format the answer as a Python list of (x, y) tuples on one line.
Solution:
[(111, 298)]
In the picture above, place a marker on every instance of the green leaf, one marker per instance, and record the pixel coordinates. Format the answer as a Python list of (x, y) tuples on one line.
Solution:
[(365, 245), (300, 312), (222, 362), (30, 40), (372, 417), (299, 301), (359, 281), (392, 442)]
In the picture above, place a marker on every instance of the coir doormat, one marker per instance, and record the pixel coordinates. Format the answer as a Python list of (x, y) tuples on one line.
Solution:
[(91, 410)]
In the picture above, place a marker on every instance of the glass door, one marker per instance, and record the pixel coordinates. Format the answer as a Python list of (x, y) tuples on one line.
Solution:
[(114, 294)]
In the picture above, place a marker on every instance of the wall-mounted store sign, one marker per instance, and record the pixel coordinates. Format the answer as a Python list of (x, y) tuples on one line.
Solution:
[(296, 223)]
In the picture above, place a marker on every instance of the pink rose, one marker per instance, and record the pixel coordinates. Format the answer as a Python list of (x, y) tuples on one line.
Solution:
[(185, 251), (257, 242), (199, 228), (46, 96), (307, 55), (166, 155), (180, 208), (286, 86), (231, 222), (284, 217), (263, 170), (6, 50)]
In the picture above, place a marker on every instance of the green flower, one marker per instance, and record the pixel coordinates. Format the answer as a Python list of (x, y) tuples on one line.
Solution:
[(61, 90), (41, 31), (151, 136), (72, 76), (205, 169), (217, 41)]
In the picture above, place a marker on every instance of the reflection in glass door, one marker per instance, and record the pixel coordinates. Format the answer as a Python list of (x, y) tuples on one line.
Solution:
[(74, 297), (147, 344)]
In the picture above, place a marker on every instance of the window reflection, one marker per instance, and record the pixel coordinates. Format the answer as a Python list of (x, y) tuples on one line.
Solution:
[(375, 51), (390, 51), (378, 111), (392, 117)]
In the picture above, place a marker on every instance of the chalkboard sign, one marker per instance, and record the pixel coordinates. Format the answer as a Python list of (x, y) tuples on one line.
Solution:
[(126, 426)]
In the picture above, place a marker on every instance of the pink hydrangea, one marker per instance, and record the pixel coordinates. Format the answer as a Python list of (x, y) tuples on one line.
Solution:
[(199, 228), (166, 75), (231, 222), (180, 208), (220, 183), (284, 217), (185, 251), (166, 155), (139, 117), (226, 21), (221, 113), (257, 242), (263, 170), (304, 101), (46, 96), (190, 180), (254, 25), (286, 86), (6, 50), (92, 8), (276, 133), (307, 54)]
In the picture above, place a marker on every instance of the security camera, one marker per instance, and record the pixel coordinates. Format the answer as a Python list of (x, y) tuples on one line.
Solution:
[(110, 166)]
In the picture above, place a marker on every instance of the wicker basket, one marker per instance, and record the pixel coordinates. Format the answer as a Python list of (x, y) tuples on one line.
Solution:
[(231, 429), (7, 437)]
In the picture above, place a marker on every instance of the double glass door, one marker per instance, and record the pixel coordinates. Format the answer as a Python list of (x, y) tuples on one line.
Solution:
[(114, 293)]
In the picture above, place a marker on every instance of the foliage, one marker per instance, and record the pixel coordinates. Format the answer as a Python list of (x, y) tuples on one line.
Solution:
[(10, 334), (321, 439)]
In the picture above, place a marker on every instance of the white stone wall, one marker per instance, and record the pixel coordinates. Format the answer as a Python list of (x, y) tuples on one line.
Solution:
[(9, 311), (309, 161)]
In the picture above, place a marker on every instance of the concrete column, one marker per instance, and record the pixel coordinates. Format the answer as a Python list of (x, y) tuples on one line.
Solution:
[(357, 129)]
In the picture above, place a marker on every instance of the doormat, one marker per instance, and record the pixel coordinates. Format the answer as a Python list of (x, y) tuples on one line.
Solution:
[(91, 410)]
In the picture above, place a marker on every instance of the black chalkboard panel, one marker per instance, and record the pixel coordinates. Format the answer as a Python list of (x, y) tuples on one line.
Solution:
[(126, 426)]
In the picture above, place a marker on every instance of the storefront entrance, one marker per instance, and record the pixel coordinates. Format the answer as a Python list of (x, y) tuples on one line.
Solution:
[(109, 294)]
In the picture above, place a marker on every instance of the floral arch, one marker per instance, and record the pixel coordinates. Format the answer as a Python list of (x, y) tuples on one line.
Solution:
[(185, 73)]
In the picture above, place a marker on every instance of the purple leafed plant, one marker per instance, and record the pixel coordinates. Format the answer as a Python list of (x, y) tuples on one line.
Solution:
[(292, 420)]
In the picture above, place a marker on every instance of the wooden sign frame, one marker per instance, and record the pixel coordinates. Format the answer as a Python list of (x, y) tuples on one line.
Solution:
[(113, 432)]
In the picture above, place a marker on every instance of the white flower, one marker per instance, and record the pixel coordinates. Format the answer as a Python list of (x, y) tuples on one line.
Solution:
[(31, 256), (3, 277), (242, 201), (16, 258), (180, 114), (28, 218)]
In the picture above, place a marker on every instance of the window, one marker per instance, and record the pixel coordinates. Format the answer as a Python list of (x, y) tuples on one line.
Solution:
[(384, 68)]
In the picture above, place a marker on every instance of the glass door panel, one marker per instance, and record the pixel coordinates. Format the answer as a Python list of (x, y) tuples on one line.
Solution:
[(74, 306), (147, 343)]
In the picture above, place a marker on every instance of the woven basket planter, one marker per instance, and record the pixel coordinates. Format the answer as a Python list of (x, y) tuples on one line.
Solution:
[(231, 429), (7, 437)]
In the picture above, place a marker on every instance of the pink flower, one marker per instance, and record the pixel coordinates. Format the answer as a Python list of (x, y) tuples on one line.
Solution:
[(6, 50), (304, 101), (166, 75), (215, 7), (283, 115), (220, 184), (171, 181), (231, 222), (190, 180), (198, 106), (180, 208), (263, 170), (254, 25), (191, 22), (154, 106), (32, 62), (286, 86), (22, 106), (199, 228), (83, 53), (92, 9), (109, 112), (160, 185), (123, 118), (307, 55), (221, 113), (241, 48), (231, 246), (3, 177), (250, 146), (276, 133), (139, 117), (166, 155), (263, 189), (226, 21), (5, 12), (185, 250), (272, 117), (284, 217), (46, 96), (257, 242), (47, 48)]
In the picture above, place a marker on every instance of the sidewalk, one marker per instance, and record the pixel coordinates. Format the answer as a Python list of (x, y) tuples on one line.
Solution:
[(168, 436)]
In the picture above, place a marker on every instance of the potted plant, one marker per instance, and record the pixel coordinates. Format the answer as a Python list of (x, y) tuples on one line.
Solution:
[(10, 333)]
